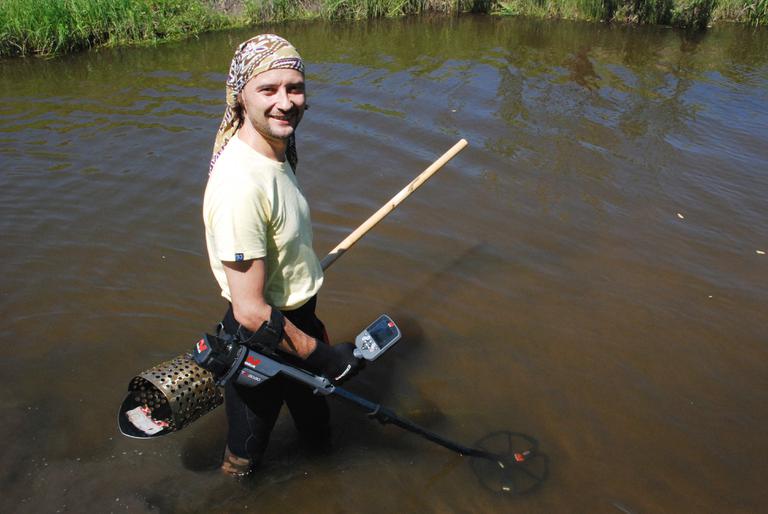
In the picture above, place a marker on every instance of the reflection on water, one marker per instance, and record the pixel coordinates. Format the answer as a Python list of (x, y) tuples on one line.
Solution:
[(586, 272)]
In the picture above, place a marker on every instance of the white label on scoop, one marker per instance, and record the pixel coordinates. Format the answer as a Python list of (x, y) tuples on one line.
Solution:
[(141, 419)]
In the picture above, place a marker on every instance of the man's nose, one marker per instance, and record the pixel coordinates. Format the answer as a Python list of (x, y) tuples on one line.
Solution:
[(283, 102)]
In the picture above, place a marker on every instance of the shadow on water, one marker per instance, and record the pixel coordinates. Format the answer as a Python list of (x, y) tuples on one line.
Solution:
[(203, 452)]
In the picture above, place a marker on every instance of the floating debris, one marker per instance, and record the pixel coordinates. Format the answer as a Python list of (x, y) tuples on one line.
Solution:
[(760, 252), (680, 216), (622, 508)]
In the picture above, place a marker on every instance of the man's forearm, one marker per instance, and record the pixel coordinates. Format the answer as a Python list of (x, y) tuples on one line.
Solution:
[(246, 283), (294, 340)]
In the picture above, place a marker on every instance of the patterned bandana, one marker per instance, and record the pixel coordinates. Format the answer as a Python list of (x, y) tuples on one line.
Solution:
[(257, 55)]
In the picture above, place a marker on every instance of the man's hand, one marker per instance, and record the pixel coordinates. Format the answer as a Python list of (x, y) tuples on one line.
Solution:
[(337, 363)]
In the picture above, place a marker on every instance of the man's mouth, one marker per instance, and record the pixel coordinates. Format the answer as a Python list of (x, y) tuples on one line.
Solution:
[(281, 117)]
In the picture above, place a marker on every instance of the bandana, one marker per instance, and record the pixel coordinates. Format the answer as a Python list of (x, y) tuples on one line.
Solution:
[(257, 55)]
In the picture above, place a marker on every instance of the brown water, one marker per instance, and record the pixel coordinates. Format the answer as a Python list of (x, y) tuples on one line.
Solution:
[(587, 271)]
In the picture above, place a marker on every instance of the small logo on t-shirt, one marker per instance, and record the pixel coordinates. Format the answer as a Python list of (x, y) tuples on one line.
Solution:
[(239, 257)]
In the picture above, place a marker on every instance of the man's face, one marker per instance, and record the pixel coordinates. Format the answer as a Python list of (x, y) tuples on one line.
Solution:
[(274, 102)]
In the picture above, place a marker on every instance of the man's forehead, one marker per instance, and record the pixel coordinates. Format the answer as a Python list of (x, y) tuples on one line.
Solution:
[(278, 76)]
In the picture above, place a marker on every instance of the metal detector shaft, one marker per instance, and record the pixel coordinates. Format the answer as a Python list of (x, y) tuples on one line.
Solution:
[(386, 416), (516, 478)]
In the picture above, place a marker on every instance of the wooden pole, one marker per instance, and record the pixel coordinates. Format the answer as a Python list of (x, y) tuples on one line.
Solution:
[(388, 207)]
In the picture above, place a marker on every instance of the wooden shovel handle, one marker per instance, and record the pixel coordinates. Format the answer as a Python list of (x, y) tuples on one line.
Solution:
[(388, 207)]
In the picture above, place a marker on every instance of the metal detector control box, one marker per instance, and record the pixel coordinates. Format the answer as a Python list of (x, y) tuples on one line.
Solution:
[(377, 338)]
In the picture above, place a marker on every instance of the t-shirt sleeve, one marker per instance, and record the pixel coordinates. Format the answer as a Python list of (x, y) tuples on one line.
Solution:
[(239, 223)]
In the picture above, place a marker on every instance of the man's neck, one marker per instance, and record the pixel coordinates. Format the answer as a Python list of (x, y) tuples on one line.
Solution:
[(271, 148)]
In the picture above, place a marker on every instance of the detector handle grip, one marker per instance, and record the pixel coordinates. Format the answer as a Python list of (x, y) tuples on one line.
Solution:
[(257, 368)]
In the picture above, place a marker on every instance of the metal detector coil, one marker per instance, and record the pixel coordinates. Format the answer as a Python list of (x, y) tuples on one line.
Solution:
[(176, 392)]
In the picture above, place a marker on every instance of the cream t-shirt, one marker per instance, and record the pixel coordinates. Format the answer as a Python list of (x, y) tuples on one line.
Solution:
[(253, 208)]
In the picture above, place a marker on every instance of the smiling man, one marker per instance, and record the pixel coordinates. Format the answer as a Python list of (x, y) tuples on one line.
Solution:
[(259, 238)]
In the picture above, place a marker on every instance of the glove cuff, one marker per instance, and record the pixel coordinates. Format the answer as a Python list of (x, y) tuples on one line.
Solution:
[(268, 337), (320, 358)]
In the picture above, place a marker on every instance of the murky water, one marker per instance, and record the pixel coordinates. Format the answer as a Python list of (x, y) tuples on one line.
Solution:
[(587, 271)]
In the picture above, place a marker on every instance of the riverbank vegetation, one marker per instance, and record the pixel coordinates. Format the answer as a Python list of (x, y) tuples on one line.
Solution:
[(59, 26), (694, 14), (47, 27)]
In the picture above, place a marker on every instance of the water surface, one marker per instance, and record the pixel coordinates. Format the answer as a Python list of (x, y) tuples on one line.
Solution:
[(587, 271)]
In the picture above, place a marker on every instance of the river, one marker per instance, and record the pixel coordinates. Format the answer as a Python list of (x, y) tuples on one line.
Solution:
[(591, 270)]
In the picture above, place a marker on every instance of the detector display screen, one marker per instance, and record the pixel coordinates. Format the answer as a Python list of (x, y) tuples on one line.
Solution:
[(383, 331), (376, 338)]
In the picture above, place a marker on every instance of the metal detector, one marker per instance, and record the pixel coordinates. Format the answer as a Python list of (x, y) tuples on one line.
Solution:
[(172, 395)]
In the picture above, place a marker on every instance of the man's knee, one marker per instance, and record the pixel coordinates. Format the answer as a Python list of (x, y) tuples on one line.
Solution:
[(251, 415)]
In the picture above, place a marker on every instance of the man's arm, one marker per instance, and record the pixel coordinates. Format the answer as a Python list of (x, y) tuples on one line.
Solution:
[(246, 285)]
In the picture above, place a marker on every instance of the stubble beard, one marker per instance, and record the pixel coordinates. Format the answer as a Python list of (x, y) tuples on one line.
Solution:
[(282, 132)]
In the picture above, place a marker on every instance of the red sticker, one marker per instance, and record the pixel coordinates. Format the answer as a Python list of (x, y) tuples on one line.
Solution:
[(252, 361), (201, 346)]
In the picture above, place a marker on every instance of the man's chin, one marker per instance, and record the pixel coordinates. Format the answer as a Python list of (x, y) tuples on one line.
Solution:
[(281, 133)]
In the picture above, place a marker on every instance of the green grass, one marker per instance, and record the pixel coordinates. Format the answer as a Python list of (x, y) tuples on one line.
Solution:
[(754, 12), (47, 27), (279, 10), (57, 26), (693, 14)]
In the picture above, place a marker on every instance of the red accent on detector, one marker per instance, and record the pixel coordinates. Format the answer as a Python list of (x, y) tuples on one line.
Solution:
[(201, 346), (519, 457), (391, 324), (252, 361)]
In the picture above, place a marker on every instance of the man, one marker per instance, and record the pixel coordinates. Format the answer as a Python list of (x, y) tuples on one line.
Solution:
[(259, 239)]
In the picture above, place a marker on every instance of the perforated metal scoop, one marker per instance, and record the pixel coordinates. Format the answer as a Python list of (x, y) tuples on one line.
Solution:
[(168, 397)]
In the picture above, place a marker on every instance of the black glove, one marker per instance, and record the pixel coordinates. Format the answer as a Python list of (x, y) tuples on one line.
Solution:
[(337, 363)]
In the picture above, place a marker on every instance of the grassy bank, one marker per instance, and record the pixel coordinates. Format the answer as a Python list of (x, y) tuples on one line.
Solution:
[(681, 13), (696, 14), (56, 26)]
